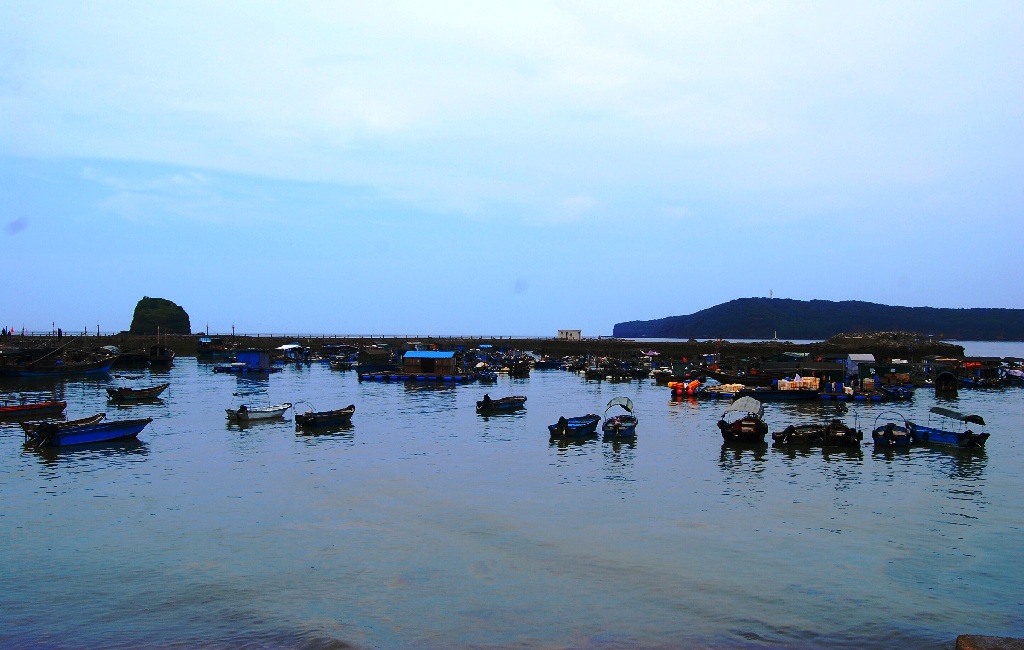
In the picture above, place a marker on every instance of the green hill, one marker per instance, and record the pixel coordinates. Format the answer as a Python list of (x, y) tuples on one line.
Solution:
[(153, 313), (767, 318)]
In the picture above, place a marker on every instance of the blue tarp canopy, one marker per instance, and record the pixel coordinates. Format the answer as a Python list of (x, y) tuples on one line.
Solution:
[(428, 354)]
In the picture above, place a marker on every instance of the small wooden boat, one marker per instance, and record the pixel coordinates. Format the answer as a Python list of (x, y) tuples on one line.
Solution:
[(750, 427), (953, 433), (51, 434), (501, 405), (892, 433), (57, 362), (32, 409), (580, 425), (160, 356), (246, 413), (32, 427), (838, 434), (128, 393), (312, 419), (799, 435), (620, 425)]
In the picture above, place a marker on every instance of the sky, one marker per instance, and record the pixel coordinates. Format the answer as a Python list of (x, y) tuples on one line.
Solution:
[(493, 168)]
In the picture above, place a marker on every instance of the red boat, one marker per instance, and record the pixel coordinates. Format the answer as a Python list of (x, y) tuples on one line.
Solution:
[(32, 409)]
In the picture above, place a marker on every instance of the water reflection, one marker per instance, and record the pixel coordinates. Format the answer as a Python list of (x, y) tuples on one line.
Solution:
[(957, 463), (124, 405), (564, 443), (842, 454), (619, 458), (792, 452), (343, 430), (242, 425), (115, 452), (737, 456)]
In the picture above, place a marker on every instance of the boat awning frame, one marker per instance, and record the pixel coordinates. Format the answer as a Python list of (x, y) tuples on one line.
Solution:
[(956, 415), (622, 401)]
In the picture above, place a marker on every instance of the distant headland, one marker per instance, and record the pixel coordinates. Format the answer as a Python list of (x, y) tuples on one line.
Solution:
[(769, 318)]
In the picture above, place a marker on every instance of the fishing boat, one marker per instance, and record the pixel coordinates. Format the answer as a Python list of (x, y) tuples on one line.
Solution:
[(950, 429), (620, 425), (32, 427), (126, 393), (246, 413), (749, 427), (838, 434), (799, 435), (160, 356), (51, 434), (31, 409), (892, 433), (501, 405), (578, 426), (312, 419), (56, 362)]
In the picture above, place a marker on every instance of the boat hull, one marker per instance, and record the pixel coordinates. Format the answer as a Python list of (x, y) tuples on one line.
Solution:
[(620, 426), (895, 436), (962, 439), (503, 405), (748, 430), (37, 409), (33, 427), (59, 370), (257, 413), (127, 394), (314, 419), (56, 436), (583, 425), (803, 435)]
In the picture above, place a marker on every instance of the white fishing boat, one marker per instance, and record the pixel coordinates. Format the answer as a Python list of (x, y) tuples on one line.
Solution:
[(246, 413)]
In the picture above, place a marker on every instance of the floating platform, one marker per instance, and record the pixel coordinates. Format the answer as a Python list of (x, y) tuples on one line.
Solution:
[(454, 378)]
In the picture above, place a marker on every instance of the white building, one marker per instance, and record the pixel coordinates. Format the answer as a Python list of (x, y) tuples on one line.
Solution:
[(570, 335)]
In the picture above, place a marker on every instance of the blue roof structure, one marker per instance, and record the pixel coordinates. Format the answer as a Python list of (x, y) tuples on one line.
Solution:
[(422, 354)]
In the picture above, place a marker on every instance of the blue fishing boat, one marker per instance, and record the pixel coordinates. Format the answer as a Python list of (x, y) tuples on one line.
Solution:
[(620, 425), (581, 425), (55, 435), (892, 433), (953, 430), (56, 362), (501, 405)]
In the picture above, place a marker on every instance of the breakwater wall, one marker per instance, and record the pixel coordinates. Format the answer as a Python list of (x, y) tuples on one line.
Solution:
[(185, 345)]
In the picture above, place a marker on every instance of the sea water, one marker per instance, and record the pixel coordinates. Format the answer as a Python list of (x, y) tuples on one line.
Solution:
[(426, 525)]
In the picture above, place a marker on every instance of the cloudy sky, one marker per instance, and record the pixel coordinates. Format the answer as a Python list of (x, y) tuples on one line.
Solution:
[(504, 168)]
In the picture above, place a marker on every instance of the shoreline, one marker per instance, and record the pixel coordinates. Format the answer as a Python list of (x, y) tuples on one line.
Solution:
[(882, 345)]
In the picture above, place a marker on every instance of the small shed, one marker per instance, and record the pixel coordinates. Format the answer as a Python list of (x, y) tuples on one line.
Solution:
[(853, 362), (428, 362), (254, 358), (570, 335)]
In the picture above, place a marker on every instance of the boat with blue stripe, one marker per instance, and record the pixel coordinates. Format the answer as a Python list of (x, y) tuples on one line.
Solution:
[(52, 434)]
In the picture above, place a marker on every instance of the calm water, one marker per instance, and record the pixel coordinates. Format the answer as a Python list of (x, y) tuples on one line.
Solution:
[(424, 525)]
